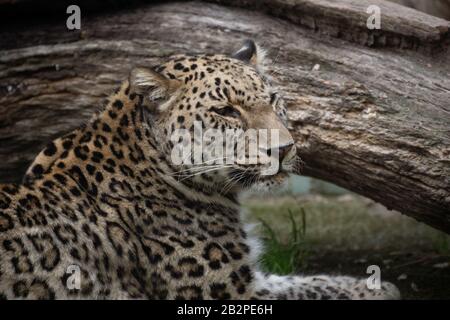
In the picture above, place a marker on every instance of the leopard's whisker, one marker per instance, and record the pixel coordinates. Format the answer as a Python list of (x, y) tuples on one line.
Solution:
[(195, 169), (204, 171)]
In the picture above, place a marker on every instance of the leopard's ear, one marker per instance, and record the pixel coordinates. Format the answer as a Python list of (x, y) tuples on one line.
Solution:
[(250, 53), (152, 85)]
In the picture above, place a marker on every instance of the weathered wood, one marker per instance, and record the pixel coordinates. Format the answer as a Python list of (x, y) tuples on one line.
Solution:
[(373, 120), (438, 8), (401, 26)]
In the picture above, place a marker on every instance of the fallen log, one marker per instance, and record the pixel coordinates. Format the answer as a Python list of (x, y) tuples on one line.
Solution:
[(369, 108)]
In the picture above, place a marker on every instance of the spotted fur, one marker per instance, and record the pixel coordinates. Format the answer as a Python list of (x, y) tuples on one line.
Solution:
[(106, 199)]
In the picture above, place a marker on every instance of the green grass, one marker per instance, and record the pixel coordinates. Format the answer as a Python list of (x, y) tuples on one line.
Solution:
[(334, 223), (345, 234), (442, 244), (285, 257)]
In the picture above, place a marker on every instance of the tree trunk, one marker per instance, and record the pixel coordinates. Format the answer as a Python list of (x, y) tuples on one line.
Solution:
[(438, 8), (369, 109)]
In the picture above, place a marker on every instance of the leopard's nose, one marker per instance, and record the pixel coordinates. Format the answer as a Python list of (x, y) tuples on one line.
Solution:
[(282, 150)]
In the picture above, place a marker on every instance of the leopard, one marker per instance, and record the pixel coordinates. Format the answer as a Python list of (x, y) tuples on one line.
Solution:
[(104, 212)]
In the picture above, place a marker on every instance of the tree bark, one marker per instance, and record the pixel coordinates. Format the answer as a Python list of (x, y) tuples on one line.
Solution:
[(369, 109), (438, 8)]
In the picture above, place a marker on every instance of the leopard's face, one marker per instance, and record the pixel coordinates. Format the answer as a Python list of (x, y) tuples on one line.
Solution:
[(222, 122)]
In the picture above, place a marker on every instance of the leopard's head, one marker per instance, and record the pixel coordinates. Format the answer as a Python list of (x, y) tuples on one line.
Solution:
[(219, 119)]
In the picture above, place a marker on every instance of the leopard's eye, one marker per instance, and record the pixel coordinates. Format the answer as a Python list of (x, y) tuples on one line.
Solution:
[(227, 111)]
